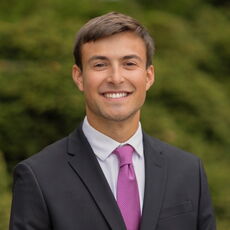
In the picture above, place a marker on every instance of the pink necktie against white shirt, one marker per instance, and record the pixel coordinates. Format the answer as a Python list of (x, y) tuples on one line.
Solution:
[(127, 188)]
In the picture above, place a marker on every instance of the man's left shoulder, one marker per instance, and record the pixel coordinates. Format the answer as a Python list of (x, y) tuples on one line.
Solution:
[(171, 152)]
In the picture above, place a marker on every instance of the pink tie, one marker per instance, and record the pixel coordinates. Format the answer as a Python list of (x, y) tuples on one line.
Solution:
[(127, 189)]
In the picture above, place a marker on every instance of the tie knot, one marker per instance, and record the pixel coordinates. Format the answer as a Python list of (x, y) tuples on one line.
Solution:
[(124, 154)]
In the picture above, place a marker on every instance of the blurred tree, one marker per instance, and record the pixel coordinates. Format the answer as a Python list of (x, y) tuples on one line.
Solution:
[(4, 195), (181, 7)]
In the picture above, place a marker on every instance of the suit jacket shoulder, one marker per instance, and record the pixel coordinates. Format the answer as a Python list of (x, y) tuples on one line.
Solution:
[(169, 150), (52, 152)]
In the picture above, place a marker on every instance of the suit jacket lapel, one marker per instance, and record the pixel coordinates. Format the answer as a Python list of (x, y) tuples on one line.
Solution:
[(155, 180), (85, 164)]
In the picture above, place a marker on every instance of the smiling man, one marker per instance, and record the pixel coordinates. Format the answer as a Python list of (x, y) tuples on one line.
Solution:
[(108, 173), (114, 78)]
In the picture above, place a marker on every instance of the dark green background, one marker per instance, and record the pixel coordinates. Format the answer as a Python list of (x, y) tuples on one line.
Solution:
[(188, 106)]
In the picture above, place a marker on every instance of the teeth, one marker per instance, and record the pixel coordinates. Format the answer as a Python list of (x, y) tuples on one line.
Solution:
[(115, 95)]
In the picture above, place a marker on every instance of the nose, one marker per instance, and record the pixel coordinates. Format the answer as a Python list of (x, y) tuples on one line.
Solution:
[(116, 76)]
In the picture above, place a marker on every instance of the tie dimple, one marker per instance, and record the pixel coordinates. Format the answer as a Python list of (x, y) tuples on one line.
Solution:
[(127, 188), (124, 154)]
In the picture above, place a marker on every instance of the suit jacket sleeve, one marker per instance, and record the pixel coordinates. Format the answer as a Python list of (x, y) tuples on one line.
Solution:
[(28, 209), (206, 219)]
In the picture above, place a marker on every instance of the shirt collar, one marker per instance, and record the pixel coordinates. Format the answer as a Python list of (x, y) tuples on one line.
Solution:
[(103, 145)]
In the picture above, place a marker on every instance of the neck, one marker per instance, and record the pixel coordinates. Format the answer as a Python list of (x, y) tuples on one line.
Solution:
[(120, 131)]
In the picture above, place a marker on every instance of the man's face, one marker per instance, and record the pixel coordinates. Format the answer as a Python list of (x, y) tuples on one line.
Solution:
[(114, 77)]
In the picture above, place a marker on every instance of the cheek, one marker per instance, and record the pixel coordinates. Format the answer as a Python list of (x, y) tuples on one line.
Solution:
[(91, 86), (140, 81)]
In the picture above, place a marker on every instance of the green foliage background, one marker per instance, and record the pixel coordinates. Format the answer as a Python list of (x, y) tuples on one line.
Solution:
[(188, 106)]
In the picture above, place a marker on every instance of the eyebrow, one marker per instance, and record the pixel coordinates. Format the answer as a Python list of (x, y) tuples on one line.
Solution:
[(99, 57), (133, 56)]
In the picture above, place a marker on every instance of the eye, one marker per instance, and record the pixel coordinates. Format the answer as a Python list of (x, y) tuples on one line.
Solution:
[(130, 64), (100, 65)]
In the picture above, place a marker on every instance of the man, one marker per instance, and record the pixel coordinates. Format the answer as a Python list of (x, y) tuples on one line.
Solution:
[(109, 174)]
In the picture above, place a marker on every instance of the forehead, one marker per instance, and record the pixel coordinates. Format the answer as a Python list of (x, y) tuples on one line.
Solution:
[(115, 46)]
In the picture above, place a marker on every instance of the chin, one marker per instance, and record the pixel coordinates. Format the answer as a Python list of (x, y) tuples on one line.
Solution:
[(121, 117)]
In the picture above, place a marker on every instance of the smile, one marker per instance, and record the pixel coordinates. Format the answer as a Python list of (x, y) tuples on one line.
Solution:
[(115, 95)]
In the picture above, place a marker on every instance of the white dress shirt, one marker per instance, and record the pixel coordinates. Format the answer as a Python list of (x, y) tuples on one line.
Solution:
[(103, 147)]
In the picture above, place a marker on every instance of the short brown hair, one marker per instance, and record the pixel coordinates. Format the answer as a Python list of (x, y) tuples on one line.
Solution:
[(107, 25)]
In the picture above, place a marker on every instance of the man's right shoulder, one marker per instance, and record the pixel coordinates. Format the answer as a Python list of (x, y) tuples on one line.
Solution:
[(56, 155), (52, 153)]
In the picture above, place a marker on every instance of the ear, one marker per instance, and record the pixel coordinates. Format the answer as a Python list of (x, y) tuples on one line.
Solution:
[(150, 78), (77, 77)]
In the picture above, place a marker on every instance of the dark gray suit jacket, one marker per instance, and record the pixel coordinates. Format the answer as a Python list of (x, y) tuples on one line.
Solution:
[(64, 188)]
